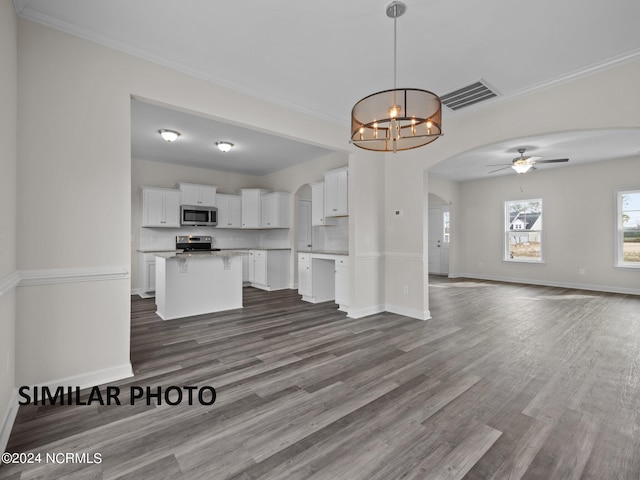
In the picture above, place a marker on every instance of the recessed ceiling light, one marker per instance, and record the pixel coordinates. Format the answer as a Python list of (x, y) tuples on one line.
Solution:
[(169, 135), (224, 146)]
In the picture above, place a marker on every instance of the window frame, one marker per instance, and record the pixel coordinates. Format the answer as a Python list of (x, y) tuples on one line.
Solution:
[(620, 229), (506, 251)]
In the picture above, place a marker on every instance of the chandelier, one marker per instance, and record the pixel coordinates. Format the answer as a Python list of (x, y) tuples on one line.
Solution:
[(398, 119)]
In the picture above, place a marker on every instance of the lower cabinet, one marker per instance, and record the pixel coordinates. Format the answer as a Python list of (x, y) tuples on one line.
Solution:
[(269, 269), (147, 275), (304, 275), (324, 277), (342, 282)]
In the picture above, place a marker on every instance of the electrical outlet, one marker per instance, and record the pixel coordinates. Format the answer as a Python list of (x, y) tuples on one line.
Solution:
[(480, 264), (405, 289), (582, 271)]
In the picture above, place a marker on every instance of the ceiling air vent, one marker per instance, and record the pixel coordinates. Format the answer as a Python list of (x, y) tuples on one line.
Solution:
[(466, 96)]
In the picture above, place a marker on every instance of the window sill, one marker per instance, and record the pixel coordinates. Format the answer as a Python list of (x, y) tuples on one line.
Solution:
[(528, 262), (627, 266)]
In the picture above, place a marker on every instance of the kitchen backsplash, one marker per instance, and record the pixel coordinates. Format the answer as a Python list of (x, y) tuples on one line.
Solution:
[(165, 238), (331, 237)]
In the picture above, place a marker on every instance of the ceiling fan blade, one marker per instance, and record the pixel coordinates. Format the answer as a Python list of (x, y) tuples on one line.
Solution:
[(499, 164), (503, 168), (555, 160)]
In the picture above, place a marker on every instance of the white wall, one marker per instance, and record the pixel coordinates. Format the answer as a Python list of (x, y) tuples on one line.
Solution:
[(80, 174), (574, 105), (8, 168), (579, 222)]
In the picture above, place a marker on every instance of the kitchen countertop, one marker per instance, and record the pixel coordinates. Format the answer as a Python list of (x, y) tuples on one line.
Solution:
[(244, 249), (155, 250), (218, 253), (326, 252)]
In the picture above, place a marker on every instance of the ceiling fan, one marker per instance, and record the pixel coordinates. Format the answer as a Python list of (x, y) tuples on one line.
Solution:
[(524, 164)]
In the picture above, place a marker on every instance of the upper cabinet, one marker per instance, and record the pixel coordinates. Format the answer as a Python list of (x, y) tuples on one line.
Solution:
[(336, 184), (229, 210), (264, 209), (198, 195), (275, 210), (318, 218), (252, 207), (160, 207)]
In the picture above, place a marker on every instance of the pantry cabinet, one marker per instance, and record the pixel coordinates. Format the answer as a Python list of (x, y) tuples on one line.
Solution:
[(336, 184), (197, 195), (160, 207)]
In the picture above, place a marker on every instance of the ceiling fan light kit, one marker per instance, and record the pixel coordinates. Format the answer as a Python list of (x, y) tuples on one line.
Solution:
[(397, 119), (524, 164)]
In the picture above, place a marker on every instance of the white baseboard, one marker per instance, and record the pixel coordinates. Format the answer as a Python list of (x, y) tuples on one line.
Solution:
[(90, 379), (365, 312), (549, 283), (7, 421), (408, 312)]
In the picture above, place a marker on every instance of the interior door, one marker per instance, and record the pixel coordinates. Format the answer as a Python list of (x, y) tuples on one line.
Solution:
[(439, 239), (303, 230), (435, 239)]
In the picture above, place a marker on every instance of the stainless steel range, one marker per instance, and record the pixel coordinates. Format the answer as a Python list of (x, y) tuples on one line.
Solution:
[(191, 243)]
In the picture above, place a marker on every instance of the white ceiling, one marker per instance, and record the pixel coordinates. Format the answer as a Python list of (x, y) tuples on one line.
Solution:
[(579, 147), (253, 152), (322, 57)]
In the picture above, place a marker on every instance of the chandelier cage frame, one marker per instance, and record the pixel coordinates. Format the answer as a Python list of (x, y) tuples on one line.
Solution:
[(399, 118)]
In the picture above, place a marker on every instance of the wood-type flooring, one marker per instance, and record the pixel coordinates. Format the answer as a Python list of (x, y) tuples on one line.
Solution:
[(506, 381)]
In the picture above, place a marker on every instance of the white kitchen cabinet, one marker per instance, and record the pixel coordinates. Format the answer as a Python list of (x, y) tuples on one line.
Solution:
[(304, 275), (317, 206), (275, 210), (336, 198), (229, 210), (160, 207), (260, 267), (197, 195), (270, 270), (252, 207), (146, 275), (247, 268), (323, 277), (342, 281)]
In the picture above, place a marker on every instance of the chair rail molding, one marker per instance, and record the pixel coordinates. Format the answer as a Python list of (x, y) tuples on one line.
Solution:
[(72, 275), (9, 282)]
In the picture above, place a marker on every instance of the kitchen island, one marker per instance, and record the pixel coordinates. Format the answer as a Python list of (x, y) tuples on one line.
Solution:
[(196, 283)]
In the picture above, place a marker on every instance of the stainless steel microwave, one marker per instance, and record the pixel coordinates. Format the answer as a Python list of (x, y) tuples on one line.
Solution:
[(198, 216)]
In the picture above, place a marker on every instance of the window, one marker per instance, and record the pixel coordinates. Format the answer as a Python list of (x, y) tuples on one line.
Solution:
[(523, 231), (629, 228)]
